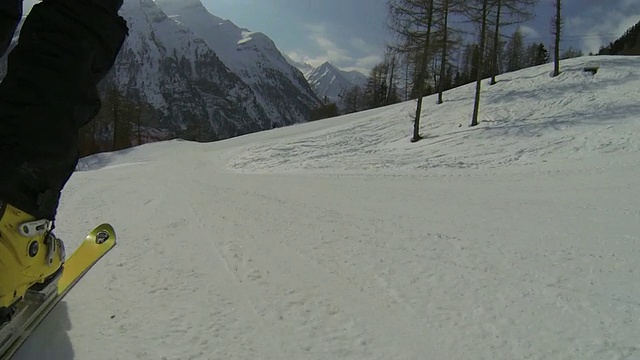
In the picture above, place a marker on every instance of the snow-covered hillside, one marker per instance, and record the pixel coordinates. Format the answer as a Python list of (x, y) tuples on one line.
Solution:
[(527, 118), (280, 88), (341, 239)]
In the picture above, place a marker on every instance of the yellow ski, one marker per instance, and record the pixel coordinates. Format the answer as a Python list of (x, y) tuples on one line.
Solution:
[(37, 305), (92, 249)]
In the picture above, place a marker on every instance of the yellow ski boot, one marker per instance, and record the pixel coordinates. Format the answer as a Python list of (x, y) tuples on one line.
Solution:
[(30, 256)]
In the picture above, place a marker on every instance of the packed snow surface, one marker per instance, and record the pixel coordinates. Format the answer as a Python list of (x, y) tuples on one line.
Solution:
[(341, 239)]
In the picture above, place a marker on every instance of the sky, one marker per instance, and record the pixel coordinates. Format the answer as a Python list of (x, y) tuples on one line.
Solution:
[(348, 33), (351, 34)]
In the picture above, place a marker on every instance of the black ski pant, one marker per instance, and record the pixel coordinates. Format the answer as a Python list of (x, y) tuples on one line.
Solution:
[(65, 49)]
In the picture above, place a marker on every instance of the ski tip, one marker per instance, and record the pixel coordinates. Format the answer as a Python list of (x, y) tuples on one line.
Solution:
[(102, 233)]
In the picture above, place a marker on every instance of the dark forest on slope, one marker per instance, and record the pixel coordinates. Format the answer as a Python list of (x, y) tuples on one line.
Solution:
[(627, 44)]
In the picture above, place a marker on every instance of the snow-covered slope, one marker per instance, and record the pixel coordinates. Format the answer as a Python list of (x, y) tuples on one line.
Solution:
[(174, 70), (280, 88), (517, 115), (330, 82), (341, 239)]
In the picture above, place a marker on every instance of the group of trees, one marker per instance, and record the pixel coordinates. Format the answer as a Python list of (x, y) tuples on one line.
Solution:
[(326, 110), (430, 45), (432, 56), (513, 54), (381, 88), (121, 123), (627, 44)]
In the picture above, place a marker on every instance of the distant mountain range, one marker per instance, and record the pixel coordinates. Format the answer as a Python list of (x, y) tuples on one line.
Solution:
[(328, 81), (202, 71), (280, 89), (165, 64)]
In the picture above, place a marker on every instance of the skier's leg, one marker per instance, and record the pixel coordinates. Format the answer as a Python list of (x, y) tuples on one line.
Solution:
[(65, 48)]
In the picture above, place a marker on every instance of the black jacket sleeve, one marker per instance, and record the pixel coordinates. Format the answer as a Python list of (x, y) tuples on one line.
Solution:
[(10, 14), (65, 49)]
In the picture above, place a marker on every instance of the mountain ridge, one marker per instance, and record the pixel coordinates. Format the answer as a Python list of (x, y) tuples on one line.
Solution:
[(331, 82), (280, 88), (166, 65)]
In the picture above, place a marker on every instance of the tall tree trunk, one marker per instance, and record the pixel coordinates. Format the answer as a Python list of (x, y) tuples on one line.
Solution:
[(483, 35), (445, 39), (139, 119), (420, 79), (406, 80), (496, 45), (558, 26), (422, 75), (392, 80)]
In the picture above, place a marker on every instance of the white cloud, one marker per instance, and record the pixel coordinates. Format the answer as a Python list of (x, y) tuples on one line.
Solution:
[(361, 45), (600, 26), (328, 49), (627, 3), (364, 64), (352, 53), (528, 31)]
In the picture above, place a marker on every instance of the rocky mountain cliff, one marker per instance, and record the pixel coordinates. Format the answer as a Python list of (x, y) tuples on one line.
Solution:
[(331, 82), (165, 64), (280, 88)]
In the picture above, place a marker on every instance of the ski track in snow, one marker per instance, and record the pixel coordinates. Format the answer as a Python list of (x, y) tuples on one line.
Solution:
[(342, 240)]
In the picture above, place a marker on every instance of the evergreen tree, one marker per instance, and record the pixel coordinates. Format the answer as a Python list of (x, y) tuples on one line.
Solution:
[(507, 12), (516, 52), (468, 65), (536, 54), (627, 44), (118, 125), (571, 53), (375, 92), (324, 111), (541, 55), (353, 100)]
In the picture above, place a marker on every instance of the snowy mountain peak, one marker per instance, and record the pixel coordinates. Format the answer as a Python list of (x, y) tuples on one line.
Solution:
[(279, 87), (257, 39), (328, 65), (329, 82), (168, 66), (328, 68), (304, 67)]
